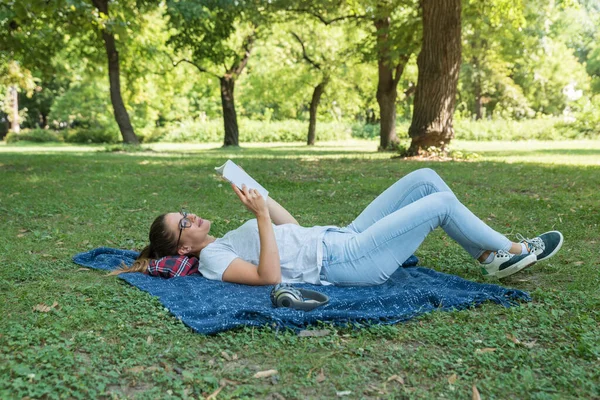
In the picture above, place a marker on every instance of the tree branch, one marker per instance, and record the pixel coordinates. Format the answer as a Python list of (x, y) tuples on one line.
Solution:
[(102, 6), (201, 69), (304, 55), (237, 68), (322, 19), (399, 70)]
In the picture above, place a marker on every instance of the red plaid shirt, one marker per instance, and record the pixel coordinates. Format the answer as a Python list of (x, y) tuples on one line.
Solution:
[(173, 266)]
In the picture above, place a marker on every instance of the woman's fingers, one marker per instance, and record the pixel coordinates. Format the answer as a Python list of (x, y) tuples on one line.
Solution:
[(251, 198)]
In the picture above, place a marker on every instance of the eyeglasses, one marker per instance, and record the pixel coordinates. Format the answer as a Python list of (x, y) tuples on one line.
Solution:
[(184, 222)]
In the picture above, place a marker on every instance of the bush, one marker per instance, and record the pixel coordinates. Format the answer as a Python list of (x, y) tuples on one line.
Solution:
[(586, 123), (34, 135), (92, 135), (291, 131), (255, 131), (370, 131), (538, 129)]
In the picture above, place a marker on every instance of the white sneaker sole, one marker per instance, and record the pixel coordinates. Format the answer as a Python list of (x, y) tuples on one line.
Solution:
[(513, 269)]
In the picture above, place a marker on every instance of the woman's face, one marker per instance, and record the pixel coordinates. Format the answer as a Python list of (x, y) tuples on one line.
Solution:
[(192, 237)]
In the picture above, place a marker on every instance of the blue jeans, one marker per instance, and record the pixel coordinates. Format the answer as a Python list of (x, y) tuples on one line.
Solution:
[(393, 226)]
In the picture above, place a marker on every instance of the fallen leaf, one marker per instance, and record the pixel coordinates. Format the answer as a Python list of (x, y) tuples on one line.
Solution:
[(516, 341), (135, 370), (149, 340), (513, 338), (266, 373), (452, 379), (83, 269), (485, 350), (578, 263), (44, 308), (321, 377), (343, 393), (476, 395), (316, 333), (374, 388), (226, 356), (396, 378), (214, 394), (23, 230)]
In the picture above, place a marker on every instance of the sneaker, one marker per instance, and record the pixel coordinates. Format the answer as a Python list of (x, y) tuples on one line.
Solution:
[(505, 264), (544, 246)]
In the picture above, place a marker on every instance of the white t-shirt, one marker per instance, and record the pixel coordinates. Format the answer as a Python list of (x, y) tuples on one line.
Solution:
[(300, 251)]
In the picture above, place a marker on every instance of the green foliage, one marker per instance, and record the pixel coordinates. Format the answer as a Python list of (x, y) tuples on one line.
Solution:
[(85, 104), (523, 60), (371, 131), (586, 125), (216, 34), (501, 129), (586, 122), (34, 135), (539, 76), (255, 131), (94, 134)]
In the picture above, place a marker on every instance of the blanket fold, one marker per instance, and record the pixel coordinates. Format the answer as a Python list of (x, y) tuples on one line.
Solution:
[(209, 306)]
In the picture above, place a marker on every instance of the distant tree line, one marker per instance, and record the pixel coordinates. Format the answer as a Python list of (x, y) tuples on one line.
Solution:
[(135, 64)]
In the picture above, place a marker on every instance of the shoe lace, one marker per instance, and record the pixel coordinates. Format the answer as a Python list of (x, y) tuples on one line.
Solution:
[(534, 243), (503, 254)]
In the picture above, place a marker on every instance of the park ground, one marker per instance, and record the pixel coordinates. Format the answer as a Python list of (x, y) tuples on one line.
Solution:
[(67, 332)]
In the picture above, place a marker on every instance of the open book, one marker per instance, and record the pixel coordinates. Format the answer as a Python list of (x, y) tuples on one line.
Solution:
[(239, 177)]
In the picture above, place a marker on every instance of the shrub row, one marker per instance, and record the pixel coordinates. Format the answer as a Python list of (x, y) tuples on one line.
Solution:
[(77, 135), (296, 131), (250, 131)]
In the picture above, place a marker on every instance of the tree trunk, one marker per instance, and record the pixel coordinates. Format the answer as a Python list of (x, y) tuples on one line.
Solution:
[(386, 88), (43, 120), (478, 100), (15, 126), (121, 115), (477, 88), (386, 98), (439, 64), (314, 105), (229, 115)]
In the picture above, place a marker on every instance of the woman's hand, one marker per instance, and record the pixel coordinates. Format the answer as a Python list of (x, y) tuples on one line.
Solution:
[(253, 200)]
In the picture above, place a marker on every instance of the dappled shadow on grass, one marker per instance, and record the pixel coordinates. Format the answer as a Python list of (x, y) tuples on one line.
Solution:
[(541, 152), (281, 152)]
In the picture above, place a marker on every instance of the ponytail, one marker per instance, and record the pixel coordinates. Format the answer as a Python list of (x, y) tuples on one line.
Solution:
[(140, 264), (163, 243)]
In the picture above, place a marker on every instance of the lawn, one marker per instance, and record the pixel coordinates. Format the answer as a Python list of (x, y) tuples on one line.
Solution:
[(104, 338)]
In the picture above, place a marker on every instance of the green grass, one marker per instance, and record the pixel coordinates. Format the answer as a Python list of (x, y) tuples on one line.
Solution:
[(107, 339)]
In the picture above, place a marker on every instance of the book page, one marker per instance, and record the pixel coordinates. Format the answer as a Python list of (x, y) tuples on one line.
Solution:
[(234, 174)]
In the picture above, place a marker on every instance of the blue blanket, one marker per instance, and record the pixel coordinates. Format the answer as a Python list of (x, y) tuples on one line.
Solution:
[(211, 306)]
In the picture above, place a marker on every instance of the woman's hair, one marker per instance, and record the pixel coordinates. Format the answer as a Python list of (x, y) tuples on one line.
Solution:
[(163, 242)]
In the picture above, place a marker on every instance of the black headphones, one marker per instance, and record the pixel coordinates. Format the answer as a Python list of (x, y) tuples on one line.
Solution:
[(284, 295)]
